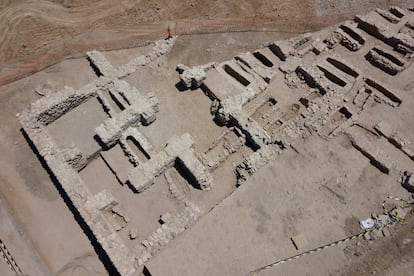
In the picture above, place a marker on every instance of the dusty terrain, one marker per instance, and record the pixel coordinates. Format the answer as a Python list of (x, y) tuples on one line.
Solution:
[(323, 186), (38, 34)]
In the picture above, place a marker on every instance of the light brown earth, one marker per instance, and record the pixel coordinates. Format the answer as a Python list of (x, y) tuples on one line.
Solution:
[(32, 28), (38, 34)]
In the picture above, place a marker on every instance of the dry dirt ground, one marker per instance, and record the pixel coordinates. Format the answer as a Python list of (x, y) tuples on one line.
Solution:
[(30, 28), (37, 34)]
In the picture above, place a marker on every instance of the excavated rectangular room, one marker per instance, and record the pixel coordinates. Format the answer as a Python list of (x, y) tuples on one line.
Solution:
[(77, 127)]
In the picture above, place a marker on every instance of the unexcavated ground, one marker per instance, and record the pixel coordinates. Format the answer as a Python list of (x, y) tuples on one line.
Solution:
[(37, 34), (308, 135)]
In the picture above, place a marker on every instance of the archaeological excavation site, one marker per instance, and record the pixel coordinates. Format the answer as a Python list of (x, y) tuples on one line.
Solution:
[(262, 140)]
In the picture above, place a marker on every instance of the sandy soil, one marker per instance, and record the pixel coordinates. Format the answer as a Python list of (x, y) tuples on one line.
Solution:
[(38, 34), (17, 242), (253, 227), (25, 184)]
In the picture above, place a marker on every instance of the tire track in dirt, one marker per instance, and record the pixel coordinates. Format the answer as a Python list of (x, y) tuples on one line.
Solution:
[(55, 15)]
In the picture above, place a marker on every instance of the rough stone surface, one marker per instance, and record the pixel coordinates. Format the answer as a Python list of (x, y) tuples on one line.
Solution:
[(178, 147), (193, 77)]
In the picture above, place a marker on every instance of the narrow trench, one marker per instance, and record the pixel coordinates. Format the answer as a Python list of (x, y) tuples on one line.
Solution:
[(352, 34), (383, 90), (116, 101), (137, 148), (186, 174), (332, 77), (388, 56), (95, 68), (396, 12), (277, 52), (343, 67), (235, 75), (264, 60)]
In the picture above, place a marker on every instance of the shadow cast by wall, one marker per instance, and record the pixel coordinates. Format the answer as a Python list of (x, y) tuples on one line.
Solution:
[(104, 258)]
